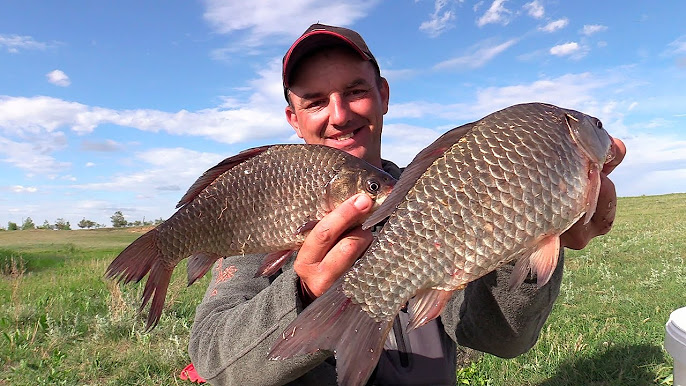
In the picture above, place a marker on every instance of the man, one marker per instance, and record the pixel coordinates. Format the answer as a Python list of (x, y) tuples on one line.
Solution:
[(337, 97)]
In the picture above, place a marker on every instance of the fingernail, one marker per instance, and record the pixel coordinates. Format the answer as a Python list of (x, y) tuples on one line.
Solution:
[(362, 202)]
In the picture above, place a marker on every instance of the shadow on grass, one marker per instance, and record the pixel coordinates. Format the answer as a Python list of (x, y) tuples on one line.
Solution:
[(617, 365)]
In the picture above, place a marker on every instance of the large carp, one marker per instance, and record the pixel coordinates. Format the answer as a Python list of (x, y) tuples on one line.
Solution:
[(500, 189), (262, 200)]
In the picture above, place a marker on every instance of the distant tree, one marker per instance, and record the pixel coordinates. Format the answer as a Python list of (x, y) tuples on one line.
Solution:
[(86, 223), (46, 225), (28, 224), (118, 220), (158, 221), (62, 225), (12, 226)]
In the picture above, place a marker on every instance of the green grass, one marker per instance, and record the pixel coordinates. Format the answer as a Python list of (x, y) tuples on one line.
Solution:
[(608, 325), (62, 323)]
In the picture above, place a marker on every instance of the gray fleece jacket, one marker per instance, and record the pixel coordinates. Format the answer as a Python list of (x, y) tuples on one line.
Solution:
[(240, 318)]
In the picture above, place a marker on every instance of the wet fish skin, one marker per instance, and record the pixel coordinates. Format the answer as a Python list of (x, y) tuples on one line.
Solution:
[(262, 200), (497, 190)]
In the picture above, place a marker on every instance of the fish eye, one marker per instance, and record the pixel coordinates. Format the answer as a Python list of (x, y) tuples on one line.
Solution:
[(373, 186), (598, 124)]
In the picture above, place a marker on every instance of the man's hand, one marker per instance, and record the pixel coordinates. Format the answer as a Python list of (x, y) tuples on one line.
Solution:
[(579, 235), (328, 250)]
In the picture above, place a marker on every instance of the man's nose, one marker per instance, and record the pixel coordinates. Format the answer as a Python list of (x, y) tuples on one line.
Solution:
[(339, 110)]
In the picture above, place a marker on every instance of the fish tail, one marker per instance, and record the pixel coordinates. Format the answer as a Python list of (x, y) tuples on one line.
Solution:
[(335, 323), (155, 287), (134, 262)]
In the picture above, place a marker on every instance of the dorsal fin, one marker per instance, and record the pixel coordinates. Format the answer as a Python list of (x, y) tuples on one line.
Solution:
[(414, 170), (211, 174)]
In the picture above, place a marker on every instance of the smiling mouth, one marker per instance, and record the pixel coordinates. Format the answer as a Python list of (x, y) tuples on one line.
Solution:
[(345, 136)]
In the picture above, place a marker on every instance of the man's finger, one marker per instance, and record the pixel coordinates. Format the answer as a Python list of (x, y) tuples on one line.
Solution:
[(327, 232), (618, 151), (338, 260), (580, 234), (606, 209)]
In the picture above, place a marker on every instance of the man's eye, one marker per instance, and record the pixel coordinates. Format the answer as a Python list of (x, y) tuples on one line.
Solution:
[(314, 104), (358, 91)]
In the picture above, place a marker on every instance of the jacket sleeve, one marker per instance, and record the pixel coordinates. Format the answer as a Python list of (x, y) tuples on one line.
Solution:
[(239, 319), (488, 317)]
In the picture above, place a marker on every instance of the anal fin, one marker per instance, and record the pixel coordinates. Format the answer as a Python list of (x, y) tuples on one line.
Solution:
[(199, 264), (427, 305), (335, 323), (542, 262)]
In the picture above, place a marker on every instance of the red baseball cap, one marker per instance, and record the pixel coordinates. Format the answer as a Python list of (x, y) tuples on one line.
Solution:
[(318, 36)]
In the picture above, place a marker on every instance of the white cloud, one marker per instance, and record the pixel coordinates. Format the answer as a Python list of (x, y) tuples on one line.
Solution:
[(677, 46), (35, 123), (555, 25), (396, 74), (591, 29), (481, 54), (31, 128), (439, 22), (23, 189), (401, 142), (576, 91), (228, 125), (535, 9), (264, 20), (565, 49), (34, 157), (107, 145), (14, 43), (58, 78), (89, 164), (654, 164), (158, 169), (496, 14)]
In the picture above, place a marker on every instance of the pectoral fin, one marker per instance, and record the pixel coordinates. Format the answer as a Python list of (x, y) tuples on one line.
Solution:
[(593, 192), (273, 262)]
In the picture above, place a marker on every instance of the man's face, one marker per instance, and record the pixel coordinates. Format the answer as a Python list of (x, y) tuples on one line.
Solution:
[(337, 102)]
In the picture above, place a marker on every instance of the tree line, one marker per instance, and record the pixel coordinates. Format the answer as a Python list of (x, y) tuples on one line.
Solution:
[(118, 221)]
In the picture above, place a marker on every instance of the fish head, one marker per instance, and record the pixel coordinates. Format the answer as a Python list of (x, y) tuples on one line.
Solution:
[(356, 177), (590, 136)]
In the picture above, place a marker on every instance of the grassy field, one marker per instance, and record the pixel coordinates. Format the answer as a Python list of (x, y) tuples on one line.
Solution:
[(63, 323)]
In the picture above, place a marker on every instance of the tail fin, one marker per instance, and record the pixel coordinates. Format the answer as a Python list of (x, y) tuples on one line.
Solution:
[(134, 262), (334, 323)]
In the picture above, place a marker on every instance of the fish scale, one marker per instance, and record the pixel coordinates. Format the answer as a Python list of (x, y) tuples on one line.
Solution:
[(259, 201), (481, 196), (245, 208), (497, 190)]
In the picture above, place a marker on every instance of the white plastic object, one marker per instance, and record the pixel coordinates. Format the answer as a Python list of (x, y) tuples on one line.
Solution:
[(675, 344)]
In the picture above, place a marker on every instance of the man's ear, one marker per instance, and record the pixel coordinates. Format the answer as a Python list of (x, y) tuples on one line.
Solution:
[(292, 119), (385, 92)]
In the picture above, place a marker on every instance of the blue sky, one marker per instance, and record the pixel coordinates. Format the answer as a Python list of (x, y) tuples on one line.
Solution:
[(108, 106)]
